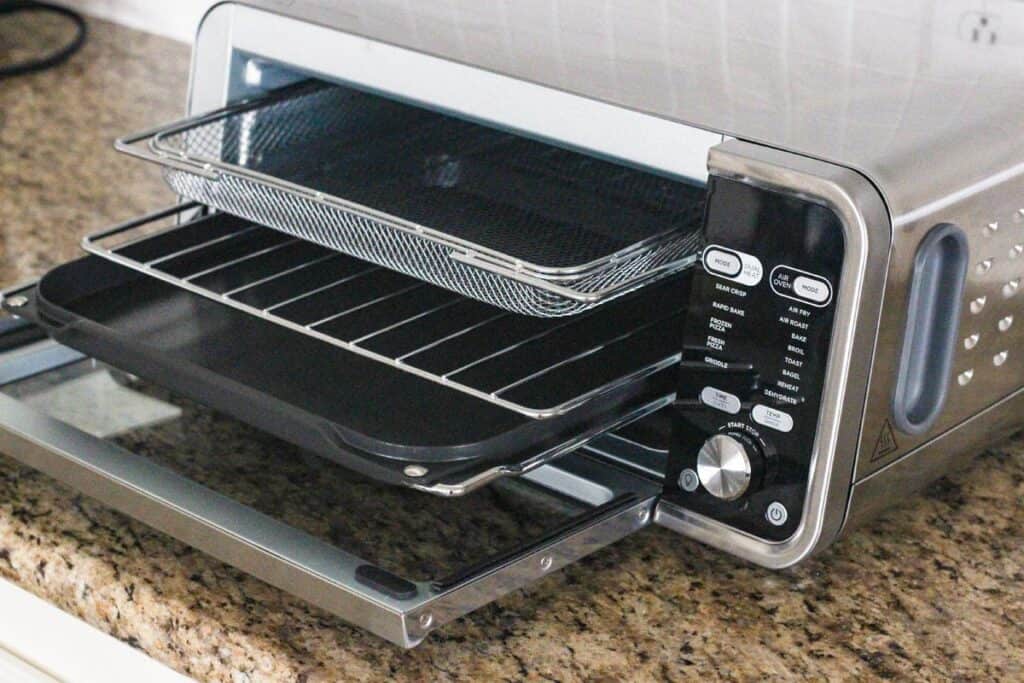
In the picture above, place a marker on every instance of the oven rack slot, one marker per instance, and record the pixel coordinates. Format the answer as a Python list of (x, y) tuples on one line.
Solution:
[(538, 367), (521, 224)]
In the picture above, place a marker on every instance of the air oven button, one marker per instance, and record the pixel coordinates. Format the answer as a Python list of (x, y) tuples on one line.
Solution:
[(743, 269), (800, 285), (812, 289), (720, 400), (772, 418)]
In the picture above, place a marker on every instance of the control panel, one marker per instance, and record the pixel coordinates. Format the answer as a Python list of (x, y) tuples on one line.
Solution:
[(757, 336)]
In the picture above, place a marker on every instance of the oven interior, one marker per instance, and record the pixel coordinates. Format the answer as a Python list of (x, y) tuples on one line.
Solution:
[(431, 300), (431, 303)]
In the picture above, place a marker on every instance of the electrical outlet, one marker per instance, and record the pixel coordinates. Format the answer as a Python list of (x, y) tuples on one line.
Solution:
[(980, 28), (973, 35)]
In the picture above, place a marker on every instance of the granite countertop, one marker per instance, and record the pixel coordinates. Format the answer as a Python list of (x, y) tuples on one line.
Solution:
[(933, 590)]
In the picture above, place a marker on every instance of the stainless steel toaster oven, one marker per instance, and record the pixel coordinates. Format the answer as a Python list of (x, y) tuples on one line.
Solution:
[(749, 277)]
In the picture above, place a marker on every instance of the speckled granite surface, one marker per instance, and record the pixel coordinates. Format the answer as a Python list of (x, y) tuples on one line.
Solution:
[(934, 590)]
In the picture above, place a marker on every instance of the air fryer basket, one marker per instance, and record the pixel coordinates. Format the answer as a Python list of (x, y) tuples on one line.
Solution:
[(528, 226)]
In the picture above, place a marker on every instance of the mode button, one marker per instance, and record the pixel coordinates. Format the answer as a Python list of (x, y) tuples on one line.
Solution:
[(735, 266), (722, 262)]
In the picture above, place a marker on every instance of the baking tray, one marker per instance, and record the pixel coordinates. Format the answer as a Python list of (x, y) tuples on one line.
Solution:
[(384, 422), (515, 222)]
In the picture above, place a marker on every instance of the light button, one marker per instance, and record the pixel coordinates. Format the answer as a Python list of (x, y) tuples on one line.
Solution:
[(722, 262), (770, 417), (720, 400), (688, 480)]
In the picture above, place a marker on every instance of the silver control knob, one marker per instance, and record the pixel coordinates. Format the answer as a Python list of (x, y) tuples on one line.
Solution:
[(724, 467)]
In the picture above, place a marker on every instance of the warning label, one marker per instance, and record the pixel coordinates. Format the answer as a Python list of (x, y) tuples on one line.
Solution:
[(886, 444)]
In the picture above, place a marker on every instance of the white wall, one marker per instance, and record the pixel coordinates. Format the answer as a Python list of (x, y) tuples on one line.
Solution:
[(176, 19)]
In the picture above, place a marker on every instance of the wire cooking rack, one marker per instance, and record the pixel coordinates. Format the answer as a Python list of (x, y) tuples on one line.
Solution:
[(539, 367), (520, 224)]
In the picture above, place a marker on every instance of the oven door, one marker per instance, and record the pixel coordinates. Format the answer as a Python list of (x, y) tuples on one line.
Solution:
[(224, 488)]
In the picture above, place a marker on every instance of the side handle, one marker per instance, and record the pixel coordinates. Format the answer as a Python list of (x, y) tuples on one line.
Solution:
[(933, 319)]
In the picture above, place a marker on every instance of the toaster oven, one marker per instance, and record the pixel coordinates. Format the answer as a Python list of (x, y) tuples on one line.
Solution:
[(599, 259)]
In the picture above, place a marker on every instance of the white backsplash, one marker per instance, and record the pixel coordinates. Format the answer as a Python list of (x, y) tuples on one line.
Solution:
[(177, 19)]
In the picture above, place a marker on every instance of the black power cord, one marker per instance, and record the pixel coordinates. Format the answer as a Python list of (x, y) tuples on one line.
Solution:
[(56, 57)]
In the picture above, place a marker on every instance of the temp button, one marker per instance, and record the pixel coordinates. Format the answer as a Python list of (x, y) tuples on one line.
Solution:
[(772, 418)]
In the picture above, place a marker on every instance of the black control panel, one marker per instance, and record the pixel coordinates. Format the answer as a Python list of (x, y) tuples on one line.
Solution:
[(757, 336)]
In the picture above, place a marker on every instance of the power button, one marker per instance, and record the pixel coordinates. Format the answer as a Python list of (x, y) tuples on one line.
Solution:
[(776, 514)]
